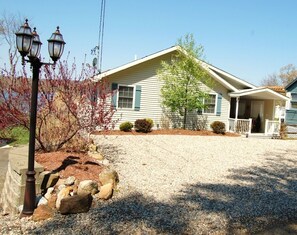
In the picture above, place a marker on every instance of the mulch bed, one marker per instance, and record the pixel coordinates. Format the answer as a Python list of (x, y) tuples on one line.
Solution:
[(165, 132)]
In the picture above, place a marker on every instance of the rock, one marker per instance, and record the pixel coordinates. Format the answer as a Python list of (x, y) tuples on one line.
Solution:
[(87, 187), (42, 212), (52, 201), (106, 191), (49, 179), (104, 162), (61, 187), (92, 148), (69, 181), (49, 193), (65, 192), (96, 155), (109, 176), (42, 201), (76, 204), (20, 208)]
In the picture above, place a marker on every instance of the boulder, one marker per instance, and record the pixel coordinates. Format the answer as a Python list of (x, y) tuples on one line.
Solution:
[(87, 187), (76, 204), (109, 176), (65, 192), (106, 191), (69, 181), (42, 212)]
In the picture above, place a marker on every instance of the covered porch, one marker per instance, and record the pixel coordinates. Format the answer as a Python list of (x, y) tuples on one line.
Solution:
[(253, 111)]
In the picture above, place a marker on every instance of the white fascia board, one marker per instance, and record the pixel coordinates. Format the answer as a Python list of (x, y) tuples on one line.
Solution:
[(220, 80), (133, 63), (231, 76), (255, 91)]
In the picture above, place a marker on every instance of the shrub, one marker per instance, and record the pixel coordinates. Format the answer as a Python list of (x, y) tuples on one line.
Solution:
[(126, 126), (283, 131), (142, 125), (150, 121), (218, 127)]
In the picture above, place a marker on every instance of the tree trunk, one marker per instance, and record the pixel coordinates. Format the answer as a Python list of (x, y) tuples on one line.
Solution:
[(185, 119)]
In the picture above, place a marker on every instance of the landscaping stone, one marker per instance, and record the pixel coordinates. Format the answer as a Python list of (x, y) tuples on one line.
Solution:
[(87, 187), (109, 176), (42, 201), (76, 204), (42, 212), (49, 193), (65, 192), (69, 181), (106, 191), (92, 148), (96, 155)]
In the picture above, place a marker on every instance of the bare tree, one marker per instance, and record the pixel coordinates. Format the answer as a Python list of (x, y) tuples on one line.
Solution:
[(271, 80), (9, 25), (285, 75)]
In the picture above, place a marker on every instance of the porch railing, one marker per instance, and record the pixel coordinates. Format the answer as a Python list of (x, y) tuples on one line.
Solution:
[(242, 126), (272, 127)]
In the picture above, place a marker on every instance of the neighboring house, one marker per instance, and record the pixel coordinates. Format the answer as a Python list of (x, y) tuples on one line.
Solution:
[(233, 101), (291, 105)]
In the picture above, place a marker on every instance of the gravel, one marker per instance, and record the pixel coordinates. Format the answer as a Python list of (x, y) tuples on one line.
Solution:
[(186, 185)]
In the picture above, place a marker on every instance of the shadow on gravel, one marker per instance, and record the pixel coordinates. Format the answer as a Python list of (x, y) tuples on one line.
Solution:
[(258, 198)]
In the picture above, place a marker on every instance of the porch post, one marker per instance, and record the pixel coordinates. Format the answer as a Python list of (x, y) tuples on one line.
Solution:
[(236, 113)]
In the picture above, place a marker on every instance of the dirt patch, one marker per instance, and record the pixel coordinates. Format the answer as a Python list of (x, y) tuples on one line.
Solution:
[(67, 164)]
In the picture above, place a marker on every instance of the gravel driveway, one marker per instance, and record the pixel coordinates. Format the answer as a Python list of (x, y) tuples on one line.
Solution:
[(192, 185)]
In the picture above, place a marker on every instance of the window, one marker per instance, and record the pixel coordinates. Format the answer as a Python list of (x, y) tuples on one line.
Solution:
[(210, 104), (126, 94), (294, 96), (294, 105)]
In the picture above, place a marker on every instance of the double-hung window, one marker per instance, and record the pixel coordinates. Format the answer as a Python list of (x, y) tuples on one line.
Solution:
[(126, 96), (294, 100), (210, 104)]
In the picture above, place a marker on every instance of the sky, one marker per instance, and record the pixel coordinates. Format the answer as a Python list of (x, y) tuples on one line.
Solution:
[(247, 38)]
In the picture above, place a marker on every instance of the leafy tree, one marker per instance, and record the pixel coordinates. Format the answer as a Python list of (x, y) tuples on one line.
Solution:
[(182, 78), (285, 75)]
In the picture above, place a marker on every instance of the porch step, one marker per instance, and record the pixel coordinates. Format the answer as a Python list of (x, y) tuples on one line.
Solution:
[(260, 136)]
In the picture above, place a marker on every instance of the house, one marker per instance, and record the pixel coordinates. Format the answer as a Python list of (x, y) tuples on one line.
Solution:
[(291, 105), (233, 101)]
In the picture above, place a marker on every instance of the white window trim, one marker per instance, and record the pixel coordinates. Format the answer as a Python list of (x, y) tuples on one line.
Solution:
[(216, 104), (118, 96)]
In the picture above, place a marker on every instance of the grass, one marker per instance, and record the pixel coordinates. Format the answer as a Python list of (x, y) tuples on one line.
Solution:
[(15, 135)]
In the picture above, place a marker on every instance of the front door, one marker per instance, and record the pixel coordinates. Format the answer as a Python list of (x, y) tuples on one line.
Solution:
[(257, 109)]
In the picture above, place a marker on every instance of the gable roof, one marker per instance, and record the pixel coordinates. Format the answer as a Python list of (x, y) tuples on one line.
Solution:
[(259, 92), (228, 80), (291, 83)]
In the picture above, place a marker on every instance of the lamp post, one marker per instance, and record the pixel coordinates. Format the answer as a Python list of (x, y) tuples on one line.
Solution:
[(28, 44)]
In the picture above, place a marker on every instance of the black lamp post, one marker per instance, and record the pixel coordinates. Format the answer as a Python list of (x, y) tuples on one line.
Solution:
[(28, 44)]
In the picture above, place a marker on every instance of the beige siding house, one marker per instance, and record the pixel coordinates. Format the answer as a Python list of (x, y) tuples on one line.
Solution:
[(233, 101)]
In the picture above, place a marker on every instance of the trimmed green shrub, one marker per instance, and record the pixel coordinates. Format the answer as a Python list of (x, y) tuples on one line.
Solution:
[(142, 125), (126, 126), (218, 127), (150, 121)]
